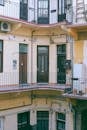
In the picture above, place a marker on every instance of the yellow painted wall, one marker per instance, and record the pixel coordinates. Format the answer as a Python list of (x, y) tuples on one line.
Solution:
[(78, 52), (13, 100)]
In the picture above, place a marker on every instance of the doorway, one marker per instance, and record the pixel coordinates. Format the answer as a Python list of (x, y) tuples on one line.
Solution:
[(24, 121), (22, 63), (42, 120), (42, 64), (61, 57), (24, 9)]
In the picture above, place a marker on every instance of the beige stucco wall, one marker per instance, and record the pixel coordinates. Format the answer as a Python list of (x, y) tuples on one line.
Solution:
[(53, 64), (13, 103), (10, 122), (11, 52)]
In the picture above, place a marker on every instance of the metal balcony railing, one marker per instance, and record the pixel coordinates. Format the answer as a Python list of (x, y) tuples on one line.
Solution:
[(71, 15), (12, 9), (11, 81), (79, 86), (80, 14)]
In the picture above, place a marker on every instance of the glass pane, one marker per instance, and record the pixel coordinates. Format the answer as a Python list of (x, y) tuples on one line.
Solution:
[(25, 1), (46, 63), (0, 45), (61, 49), (42, 69), (61, 116), (61, 7), (43, 8), (60, 125), (24, 118), (42, 120), (2, 2), (23, 48), (42, 50), (43, 114), (19, 118), (1, 123)]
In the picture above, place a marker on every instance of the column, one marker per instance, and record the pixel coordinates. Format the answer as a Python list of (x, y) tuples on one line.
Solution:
[(33, 120), (69, 121), (52, 64), (33, 63), (52, 120)]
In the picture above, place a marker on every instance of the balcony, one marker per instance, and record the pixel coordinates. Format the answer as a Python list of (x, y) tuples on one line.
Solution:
[(79, 89), (80, 14), (15, 10), (10, 9), (71, 14), (10, 82)]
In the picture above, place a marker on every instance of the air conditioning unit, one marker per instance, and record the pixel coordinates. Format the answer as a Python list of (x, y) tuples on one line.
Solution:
[(5, 26)]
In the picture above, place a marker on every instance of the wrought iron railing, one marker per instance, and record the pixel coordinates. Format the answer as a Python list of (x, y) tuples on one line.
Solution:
[(11, 81), (79, 86), (12, 9)]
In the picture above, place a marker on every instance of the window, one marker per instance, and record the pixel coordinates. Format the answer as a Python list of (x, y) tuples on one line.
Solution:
[(1, 55), (60, 121), (24, 121), (42, 120), (61, 6), (23, 48), (61, 10), (43, 8), (43, 11), (1, 2), (24, 9), (1, 123)]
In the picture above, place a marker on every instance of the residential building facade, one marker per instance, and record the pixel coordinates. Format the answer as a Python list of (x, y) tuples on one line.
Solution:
[(42, 65)]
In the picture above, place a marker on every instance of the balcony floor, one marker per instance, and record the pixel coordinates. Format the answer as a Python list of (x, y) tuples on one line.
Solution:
[(29, 87), (76, 96)]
